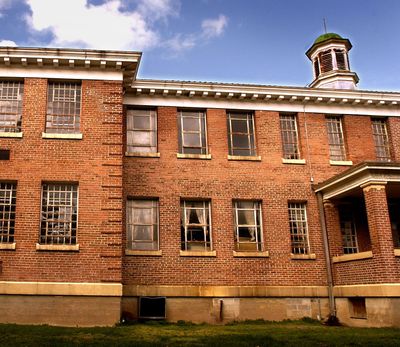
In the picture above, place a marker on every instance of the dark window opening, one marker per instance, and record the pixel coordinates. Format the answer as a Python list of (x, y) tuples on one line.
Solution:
[(152, 307), (357, 308), (4, 154)]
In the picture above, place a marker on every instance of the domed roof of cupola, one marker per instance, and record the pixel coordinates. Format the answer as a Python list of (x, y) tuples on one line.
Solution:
[(327, 36)]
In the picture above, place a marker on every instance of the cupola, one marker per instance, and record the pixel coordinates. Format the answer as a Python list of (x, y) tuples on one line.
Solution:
[(329, 56)]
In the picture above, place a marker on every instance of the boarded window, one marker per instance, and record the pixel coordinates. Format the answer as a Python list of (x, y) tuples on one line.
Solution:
[(142, 224), (340, 59), (141, 126), (357, 308), (326, 63)]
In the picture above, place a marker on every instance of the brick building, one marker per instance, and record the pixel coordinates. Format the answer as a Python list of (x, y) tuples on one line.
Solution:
[(122, 197)]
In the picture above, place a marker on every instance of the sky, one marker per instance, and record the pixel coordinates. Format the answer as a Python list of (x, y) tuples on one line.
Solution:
[(234, 41)]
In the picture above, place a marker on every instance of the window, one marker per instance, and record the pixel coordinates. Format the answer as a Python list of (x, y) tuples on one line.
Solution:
[(348, 230), (247, 224), (335, 138), (241, 134), (298, 228), (195, 226), (59, 217), (290, 143), (192, 132), (381, 139), (142, 224), (141, 131), (63, 108), (11, 106), (8, 193)]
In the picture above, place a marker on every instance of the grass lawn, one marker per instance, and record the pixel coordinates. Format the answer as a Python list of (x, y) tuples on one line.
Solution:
[(257, 333)]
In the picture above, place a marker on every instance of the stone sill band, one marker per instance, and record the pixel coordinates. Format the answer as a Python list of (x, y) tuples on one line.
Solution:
[(341, 162), (144, 155), (351, 257), (8, 246), (7, 134), (311, 256), (62, 136), (62, 248), (198, 253), (143, 253), (193, 156), (244, 157), (247, 254), (294, 161)]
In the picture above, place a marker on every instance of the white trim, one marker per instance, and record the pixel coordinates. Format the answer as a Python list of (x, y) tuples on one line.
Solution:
[(244, 157), (8, 134), (341, 162), (248, 254), (311, 256), (60, 73), (143, 155), (198, 253), (360, 108), (151, 253), (193, 156), (62, 136)]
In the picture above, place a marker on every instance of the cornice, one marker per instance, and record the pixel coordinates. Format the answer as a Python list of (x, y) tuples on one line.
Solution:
[(263, 93)]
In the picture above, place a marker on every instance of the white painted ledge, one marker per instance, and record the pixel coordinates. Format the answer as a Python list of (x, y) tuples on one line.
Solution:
[(8, 246), (311, 256), (397, 252), (62, 248), (245, 157), (351, 257), (294, 161), (250, 254), (14, 135), (198, 253), (193, 156), (62, 136), (143, 253), (341, 162), (144, 155)]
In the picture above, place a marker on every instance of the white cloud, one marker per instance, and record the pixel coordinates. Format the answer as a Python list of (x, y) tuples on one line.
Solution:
[(214, 27), (105, 26), (8, 43), (158, 9), (210, 28)]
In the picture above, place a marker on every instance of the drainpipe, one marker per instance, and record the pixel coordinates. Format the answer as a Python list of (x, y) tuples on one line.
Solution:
[(332, 307)]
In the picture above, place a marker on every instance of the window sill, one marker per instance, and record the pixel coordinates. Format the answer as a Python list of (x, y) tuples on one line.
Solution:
[(143, 253), (63, 248), (145, 155), (14, 135), (341, 162), (294, 161), (198, 253), (244, 157), (354, 256), (244, 254), (193, 156), (397, 252), (8, 246), (311, 256), (62, 136)]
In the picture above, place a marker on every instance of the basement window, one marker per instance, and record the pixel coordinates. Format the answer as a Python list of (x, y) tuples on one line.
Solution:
[(357, 308)]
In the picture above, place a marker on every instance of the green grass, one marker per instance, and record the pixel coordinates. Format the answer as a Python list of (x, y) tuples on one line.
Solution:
[(253, 333)]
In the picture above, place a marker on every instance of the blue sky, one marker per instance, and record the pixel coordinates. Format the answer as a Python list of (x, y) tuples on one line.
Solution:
[(243, 41)]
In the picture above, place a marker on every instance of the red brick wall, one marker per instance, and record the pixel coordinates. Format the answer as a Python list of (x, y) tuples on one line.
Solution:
[(170, 179), (94, 162)]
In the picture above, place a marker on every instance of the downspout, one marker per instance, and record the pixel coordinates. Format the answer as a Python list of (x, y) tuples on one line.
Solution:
[(332, 307)]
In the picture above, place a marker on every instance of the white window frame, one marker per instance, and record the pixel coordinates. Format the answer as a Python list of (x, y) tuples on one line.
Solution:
[(201, 117), (253, 245), (247, 117), (11, 98), (59, 228), (187, 243), (63, 112), (8, 192), (134, 146), (381, 139), (334, 128), (298, 224), (133, 206)]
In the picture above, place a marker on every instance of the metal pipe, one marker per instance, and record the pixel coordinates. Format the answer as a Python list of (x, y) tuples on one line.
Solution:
[(332, 306)]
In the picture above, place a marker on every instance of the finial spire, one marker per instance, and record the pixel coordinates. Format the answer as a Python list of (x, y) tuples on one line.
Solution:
[(325, 25)]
